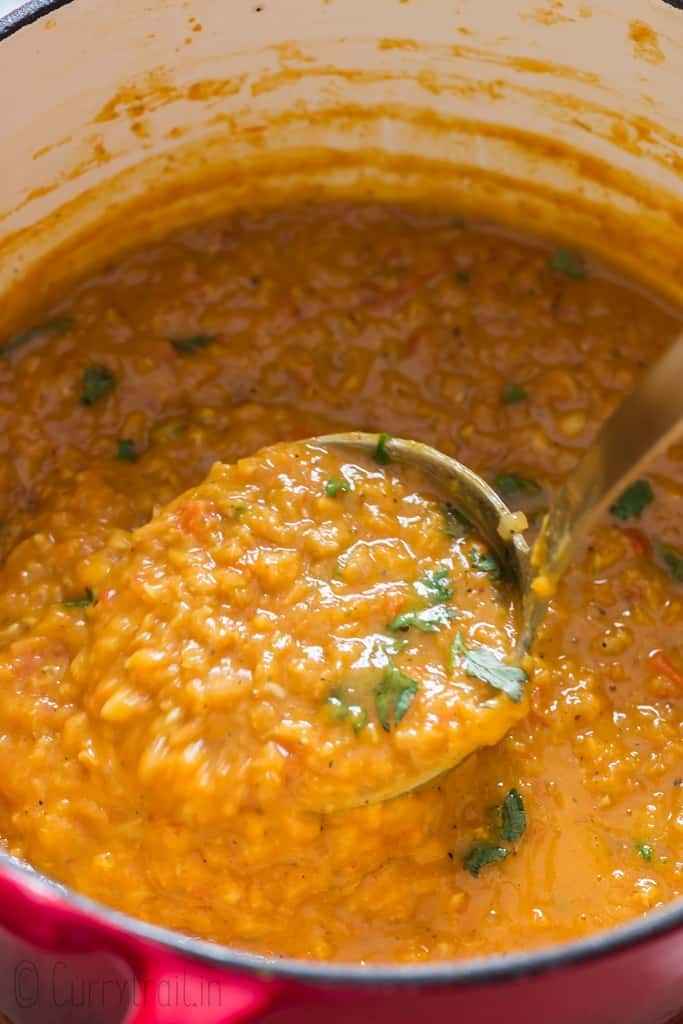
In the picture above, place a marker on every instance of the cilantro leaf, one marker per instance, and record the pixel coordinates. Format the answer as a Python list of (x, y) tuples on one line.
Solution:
[(187, 346), (510, 484), (434, 586), (477, 857), (633, 500), (512, 828), (673, 561), (383, 648), (80, 602), (381, 453), (427, 620), (569, 262), (513, 817), (457, 648), (483, 663), (393, 696), (645, 850), (486, 563), (514, 393), (341, 706), (125, 450), (334, 487), (463, 276), (387, 646), (95, 383), (52, 327)]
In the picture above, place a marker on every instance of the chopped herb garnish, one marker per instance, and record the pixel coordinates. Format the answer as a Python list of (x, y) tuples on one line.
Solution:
[(340, 707), (477, 857), (512, 827), (239, 510), (393, 696), (673, 560), (53, 327), (486, 563), (569, 262), (95, 383), (434, 586), (427, 620), (457, 650), (513, 817), (125, 450), (389, 646), (514, 393), (483, 663), (463, 276), (381, 453), (80, 602), (455, 521), (334, 487), (510, 484), (645, 850), (186, 346), (633, 500)]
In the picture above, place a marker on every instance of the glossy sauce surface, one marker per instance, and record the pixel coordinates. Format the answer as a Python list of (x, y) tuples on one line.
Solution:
[(279, 326)]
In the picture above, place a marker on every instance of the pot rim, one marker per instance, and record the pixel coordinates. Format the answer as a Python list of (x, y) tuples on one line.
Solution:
[(473, 971)]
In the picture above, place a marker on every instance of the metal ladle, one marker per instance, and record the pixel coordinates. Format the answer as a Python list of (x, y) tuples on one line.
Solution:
[(644, 424), (648, 420)]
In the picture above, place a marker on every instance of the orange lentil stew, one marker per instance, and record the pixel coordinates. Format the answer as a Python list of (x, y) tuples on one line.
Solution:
[(208, 628), (264, 637)]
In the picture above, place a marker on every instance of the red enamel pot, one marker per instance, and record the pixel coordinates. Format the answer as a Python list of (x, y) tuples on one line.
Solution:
[(566, 114)]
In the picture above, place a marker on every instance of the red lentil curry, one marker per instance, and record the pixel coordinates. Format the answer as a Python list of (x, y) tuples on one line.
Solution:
[(188, 661), (253, 641)]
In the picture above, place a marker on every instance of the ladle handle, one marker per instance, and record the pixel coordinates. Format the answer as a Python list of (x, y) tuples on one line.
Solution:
[(646, 423)]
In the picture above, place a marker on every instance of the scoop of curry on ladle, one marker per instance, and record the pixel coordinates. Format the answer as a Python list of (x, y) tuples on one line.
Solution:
[(341, 630), (379, 593)]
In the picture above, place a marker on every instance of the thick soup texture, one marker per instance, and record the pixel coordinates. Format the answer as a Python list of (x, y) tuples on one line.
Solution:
[(262, 639), (162, 626)]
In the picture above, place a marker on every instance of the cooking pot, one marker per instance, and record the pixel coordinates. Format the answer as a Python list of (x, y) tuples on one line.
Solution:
[(557, 117)]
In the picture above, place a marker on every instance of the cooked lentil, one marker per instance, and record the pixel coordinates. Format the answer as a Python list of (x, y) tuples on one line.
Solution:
[(259, 641), (310, 319)]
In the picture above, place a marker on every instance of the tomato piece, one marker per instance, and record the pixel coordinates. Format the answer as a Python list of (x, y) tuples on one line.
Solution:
[(394, 604), (666, 667), (638, 540), (191, 516)]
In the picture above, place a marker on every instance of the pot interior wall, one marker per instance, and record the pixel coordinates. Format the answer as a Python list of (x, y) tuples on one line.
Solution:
[(561, 118)]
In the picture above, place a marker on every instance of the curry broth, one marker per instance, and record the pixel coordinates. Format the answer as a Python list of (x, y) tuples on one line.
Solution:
[(283, 325)]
